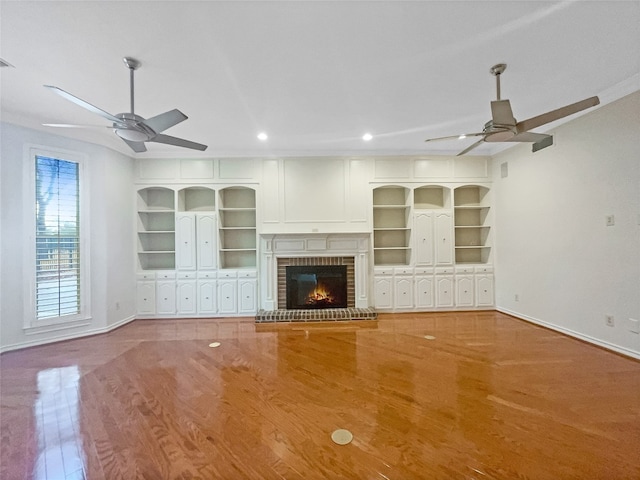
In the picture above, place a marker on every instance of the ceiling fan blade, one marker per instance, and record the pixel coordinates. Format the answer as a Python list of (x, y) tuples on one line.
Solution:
[(528, 137), (179, 142), (69, 125), (165, 120), (557, 114), (137, 147), (471, 147), (83, 104), (501, 113), (453, 137)]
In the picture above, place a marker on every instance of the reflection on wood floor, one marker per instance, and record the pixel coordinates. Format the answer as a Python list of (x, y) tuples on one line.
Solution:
[(476, 395)]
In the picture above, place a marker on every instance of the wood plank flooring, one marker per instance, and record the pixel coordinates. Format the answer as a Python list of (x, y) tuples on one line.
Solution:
[(476, 395)]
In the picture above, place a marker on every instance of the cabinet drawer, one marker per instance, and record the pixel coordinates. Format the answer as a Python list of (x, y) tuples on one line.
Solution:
[(247, 274), (146, 276), (403, 271), (487, 269), (166, 275), (423, 271), (382, 271), (444, 270), (227, 274), (464, 269), (205, 275), (186, 275)]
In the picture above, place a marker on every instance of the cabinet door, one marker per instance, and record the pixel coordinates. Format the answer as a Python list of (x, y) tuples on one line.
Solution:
[(185, 242), (187, 297), (146, 297), (207, 296), (464, 291), (382, 292), (423, 235), (227, 296), (443, 243), (484, 290), (424, 292), (166, 297), (247, 296), (403, 292), (206, 242), (444, 291)]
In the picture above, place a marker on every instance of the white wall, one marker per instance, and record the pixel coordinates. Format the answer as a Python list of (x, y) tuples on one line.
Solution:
[(110, 178), (553, 248)]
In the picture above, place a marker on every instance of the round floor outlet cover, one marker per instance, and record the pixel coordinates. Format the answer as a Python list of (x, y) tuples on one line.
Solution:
[(429, 337), (341, 436), (214, 344)]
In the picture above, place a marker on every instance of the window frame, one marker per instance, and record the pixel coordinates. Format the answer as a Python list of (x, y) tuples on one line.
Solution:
[(31, 322)]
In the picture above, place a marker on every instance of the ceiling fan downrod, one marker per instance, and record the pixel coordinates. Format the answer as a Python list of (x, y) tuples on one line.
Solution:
[(497, 70), (132, 64)]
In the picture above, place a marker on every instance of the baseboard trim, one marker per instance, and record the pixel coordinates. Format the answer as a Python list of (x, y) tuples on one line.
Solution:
[(572, 333), (66, 336)]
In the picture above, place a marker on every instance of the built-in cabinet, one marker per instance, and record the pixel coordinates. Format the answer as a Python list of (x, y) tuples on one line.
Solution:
[(432, 247), (196, 251)]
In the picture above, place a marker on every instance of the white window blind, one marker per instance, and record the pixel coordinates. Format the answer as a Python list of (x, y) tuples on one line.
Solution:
[(57, 238)]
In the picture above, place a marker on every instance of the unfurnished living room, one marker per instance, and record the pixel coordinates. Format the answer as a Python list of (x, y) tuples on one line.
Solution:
[(320, 240)]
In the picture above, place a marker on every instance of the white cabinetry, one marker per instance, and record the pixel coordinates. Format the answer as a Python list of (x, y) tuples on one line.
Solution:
[(484, 287), (382, 288), (146, 293), (464, 287), (391, 231), (247, 292), (166, 293), (207, 293), (444, 287), (156, 228), (237, 227), (424, 288), (472, 224), (195, 241), (403, 288), (228, 293), (186, 294)]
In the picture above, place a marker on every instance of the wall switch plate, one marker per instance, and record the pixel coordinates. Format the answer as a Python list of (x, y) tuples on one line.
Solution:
[(611, 220), (634, 325)]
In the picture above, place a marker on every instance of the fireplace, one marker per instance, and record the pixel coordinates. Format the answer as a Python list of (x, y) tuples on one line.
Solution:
[(316, 286)]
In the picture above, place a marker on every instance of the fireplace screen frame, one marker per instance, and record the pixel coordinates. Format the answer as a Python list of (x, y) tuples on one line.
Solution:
[(293, 302)]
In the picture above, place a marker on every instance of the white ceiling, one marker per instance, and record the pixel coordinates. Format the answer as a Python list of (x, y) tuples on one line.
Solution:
[(314, 75)]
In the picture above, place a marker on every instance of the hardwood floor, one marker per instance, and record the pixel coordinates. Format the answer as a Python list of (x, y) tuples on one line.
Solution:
[(490, 397)]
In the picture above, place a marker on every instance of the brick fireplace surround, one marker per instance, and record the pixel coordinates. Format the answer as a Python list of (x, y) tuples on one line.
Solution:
[(281, 251)]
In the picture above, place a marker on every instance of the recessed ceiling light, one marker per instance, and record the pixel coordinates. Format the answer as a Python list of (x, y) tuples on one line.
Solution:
[(366, 137), (262, 136)]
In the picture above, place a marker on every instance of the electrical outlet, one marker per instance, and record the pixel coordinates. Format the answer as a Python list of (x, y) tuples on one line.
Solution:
[(609, 320), (517, 297), (117, 305), (611, 220)]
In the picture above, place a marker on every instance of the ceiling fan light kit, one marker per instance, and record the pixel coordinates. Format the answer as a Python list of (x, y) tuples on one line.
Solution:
[(503, 127), (133, 129)]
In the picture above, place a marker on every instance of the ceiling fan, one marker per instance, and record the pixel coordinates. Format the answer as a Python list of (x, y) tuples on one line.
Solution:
[(503, 126), (132, 128)]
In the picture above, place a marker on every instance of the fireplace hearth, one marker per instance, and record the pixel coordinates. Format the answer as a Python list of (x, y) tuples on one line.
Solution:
[(316, 286)]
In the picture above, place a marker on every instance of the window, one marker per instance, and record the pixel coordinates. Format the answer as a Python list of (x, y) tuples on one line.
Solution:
[(58, 253), (57, 238)]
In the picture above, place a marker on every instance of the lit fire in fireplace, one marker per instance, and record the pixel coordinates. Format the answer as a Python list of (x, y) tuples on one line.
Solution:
[(320, 296)]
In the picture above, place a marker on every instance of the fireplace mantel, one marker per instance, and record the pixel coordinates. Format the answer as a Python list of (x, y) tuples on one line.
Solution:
[(274, 246)]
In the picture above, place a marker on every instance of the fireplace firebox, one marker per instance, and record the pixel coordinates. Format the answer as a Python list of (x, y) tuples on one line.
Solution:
[(316, 286)]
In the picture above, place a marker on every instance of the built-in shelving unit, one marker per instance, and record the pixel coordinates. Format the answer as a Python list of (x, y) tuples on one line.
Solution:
[(196, 199), (472, 229), (391, 230), (430, 197), (156, 228), (237, 211)]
